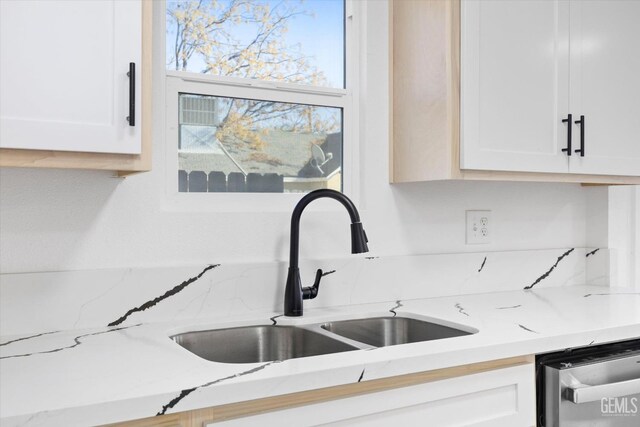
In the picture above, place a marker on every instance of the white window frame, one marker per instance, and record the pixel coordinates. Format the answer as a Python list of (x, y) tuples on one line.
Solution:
[(176, 82)]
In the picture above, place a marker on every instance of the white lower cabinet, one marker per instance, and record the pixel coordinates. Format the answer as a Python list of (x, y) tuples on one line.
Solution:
[(498, 398)]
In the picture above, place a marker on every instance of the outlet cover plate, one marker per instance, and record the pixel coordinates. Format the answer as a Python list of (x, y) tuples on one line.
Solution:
[(479, 227)]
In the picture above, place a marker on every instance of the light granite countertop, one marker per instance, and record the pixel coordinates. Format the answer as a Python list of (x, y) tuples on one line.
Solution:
[(106, 375)]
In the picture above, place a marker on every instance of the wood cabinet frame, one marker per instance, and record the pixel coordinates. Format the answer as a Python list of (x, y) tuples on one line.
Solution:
[(424, 84), (122, 164)]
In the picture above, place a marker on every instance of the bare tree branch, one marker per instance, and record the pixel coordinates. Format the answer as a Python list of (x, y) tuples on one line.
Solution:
[(207, 32)]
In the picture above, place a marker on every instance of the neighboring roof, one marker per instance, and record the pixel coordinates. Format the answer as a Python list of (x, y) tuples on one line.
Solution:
[(206, 162), (199, 139), (285, 152)]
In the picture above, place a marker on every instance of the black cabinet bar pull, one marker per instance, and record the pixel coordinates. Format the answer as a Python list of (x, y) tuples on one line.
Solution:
[(569, 122), (581, 123), (131, 118)]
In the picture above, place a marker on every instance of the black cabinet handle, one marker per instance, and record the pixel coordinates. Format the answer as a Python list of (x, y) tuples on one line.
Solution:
[(581, 123), (569, 121), (131, 118)]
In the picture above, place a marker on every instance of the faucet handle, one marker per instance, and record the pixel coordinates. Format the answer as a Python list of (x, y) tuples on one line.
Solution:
[(312, 291)]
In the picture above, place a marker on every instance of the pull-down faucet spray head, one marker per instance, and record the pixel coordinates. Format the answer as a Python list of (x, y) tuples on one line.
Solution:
[(358, 239)]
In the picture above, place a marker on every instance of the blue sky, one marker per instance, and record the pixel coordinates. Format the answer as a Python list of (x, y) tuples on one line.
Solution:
[(320, 35)]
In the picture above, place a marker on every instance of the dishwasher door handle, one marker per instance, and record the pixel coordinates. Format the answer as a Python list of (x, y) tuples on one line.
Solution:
[(584, 393)]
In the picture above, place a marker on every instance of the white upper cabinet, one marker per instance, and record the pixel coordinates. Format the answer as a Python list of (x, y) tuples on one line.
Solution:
[(515, 85), (63, 75), (483, 90), (605, 86), (527, 65)]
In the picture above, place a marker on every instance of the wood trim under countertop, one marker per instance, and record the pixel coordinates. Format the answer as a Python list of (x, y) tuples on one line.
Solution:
[(196, 418), (123, 164)]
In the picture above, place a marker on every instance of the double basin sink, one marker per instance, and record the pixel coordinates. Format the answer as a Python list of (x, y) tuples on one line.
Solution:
[(265, 343)]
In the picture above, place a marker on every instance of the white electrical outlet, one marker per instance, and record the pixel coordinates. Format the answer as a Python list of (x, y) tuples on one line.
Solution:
[(479, 227)]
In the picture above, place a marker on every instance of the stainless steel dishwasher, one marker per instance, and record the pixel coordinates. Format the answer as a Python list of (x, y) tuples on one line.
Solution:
[(594, 386)]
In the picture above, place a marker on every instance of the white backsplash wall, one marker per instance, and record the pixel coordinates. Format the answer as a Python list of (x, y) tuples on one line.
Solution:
[(42, 302), (52, 220), (624, 235), (70, 220)]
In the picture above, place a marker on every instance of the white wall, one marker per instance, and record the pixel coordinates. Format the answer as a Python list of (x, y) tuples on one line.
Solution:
[(59, 220), (636, 253), (624, 235), (613, 221), (597, 216)]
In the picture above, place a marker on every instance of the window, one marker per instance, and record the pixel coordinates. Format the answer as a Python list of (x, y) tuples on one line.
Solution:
[(258, 94)]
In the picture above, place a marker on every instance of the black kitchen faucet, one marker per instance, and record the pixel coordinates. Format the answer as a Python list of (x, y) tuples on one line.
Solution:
[(294, 293)]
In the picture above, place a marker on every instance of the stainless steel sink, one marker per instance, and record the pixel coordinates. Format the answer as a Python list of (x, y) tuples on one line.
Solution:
[(253, 344), (385, 331)]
